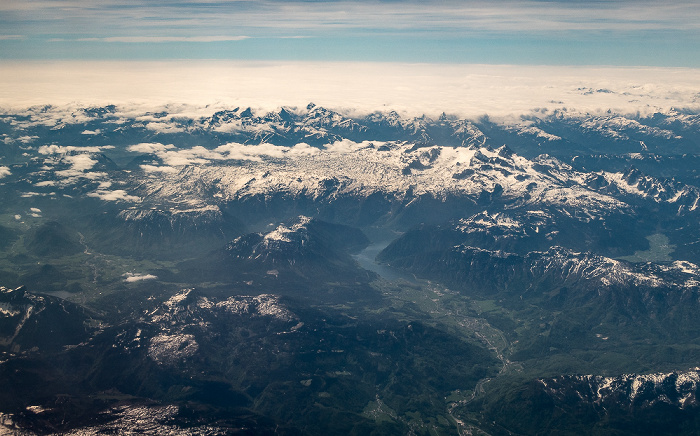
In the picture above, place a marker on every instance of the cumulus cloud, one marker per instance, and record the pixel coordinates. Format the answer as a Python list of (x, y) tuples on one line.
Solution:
[(239, 151), (134, 277), (4, 171), (64, 149), (30, 194), (199, 155), (150, 147), (162, 127), (80, 162), (72, 175), (27, 139), (157, 169), (80, 165), (116, 195)]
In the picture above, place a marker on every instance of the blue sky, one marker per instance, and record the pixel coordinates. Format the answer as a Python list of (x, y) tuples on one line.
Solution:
[(623, 33)]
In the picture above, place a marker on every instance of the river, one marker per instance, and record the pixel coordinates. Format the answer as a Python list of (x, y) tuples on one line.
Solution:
[(366, 259)]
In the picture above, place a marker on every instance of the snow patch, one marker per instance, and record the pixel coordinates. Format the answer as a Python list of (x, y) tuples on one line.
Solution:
[(172, 349)]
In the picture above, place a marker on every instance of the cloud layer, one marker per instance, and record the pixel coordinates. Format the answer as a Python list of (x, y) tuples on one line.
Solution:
[(411, 89)]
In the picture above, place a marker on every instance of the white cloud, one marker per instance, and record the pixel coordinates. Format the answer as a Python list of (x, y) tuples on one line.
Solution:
[(190, 156), (63, 149), (199, 155), (162, 127), (411, 89), (157, 169), (27, 139), (238, 151), (31, 194), (4, 172), (79, 159), (80, 162), (135, 277), (72, 175), (150, 147), (52, 116), (91, 132), (157, 39), (116, 195), (35, 209), (347, 146)]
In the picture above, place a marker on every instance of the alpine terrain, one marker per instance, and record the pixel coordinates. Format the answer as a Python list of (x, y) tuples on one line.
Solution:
[(313, 271)]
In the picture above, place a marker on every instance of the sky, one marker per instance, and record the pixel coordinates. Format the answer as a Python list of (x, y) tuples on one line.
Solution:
[(546, 32), (467, 57)]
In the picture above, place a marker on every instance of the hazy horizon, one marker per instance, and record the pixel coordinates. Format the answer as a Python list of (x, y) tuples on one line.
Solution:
[(358, 88)]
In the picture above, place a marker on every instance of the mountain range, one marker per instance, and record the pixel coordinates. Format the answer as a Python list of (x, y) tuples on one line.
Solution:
[(216, 273)]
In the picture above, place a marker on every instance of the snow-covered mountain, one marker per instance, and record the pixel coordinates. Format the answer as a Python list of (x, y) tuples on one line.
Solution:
[(320, 154), (633, 391), (533, 248), (649, 403)]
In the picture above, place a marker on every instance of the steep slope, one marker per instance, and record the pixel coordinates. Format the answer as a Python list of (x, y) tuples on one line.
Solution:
[(53, 239), (572, 249), (630, 404), (248, 359), (36, 323), (557, 302), (418, 184), (163, 232), (303, 253)]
